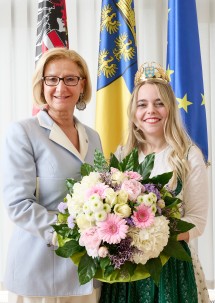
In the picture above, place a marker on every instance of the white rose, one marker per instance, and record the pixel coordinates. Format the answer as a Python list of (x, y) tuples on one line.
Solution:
[(122, 210), (118, 177), (122, 197), (83, 223), (111, 197)]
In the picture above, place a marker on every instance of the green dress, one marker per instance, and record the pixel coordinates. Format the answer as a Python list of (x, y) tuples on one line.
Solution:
[(177, 285)]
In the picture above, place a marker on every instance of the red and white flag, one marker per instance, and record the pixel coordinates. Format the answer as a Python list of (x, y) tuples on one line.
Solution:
[(51, 28)]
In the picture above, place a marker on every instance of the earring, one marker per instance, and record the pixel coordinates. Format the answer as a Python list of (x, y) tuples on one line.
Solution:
[(81, 105)]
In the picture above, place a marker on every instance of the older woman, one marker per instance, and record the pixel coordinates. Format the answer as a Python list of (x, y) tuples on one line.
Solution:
[(39, 154)]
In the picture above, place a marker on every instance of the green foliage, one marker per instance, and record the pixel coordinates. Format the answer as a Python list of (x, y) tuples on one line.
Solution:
[(154, 267), (68, 249), (145, 167), (86, 169), (69, 184), (130, 162), (100, 163), (87, 268), (178, 226), (162, 179), (114, 162), (176, 250)]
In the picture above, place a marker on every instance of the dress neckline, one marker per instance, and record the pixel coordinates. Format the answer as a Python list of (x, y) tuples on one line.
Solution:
[(142, 155)]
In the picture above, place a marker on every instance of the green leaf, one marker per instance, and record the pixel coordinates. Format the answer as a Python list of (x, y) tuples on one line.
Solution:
[(178, 187), (179, 226), (154, 267), (62, 218), (130, 162), (129, 267), (175, 249), (86, 169), (146, 166), (69, 184), (100, 163), (62, 230), (104, 262), (114, 162), (162, 179), (68, 249), (171, 201), (108, 270), (87, 268)]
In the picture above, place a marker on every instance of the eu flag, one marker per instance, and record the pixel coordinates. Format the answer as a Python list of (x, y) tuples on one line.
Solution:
[(117, 65), (185, 69)]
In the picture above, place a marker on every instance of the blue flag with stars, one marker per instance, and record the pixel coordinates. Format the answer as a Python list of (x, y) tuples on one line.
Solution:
[(117, 65), (185, 69)]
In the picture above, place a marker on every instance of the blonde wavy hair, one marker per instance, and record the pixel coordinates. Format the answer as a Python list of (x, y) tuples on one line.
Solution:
[(174, 131), (55, 54)]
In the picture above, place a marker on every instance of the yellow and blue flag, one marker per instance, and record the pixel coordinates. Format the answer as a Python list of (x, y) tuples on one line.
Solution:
[(117, 65), (185, 69)]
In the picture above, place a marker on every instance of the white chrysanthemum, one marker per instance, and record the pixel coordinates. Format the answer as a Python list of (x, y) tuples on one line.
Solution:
[(149, 241), (100, 216), (153, 197), (154, 208), (140, 199), (76, 202), (106, 208), (86, 207), (148, 199), (90, 216), (96, 203)]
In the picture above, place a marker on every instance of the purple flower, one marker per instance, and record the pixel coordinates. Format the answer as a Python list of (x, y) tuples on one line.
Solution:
[(153, 189), (62, 207), (124, 253), (70, 222)]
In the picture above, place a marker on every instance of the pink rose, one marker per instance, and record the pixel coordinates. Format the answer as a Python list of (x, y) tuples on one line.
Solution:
[(133, 175), (103, 252), (90, 239), (133, 188)]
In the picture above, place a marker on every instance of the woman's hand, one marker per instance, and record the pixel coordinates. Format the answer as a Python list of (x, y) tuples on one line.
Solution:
[(183, 237)]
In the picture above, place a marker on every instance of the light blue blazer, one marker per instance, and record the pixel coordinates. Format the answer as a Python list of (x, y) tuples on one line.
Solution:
[(37, 158)]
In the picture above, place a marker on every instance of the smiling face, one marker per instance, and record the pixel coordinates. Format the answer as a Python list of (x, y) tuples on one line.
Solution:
[(151, 113), (62, 98)]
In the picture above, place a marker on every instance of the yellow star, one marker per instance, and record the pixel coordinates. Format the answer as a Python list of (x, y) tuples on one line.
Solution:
[(169, 72), (203, 99), (183, 103)]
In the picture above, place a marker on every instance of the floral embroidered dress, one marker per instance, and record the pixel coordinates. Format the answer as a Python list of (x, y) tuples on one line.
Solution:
[(180, 281)]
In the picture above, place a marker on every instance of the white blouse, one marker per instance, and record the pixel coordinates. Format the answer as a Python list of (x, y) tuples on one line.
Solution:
[(195, 192)]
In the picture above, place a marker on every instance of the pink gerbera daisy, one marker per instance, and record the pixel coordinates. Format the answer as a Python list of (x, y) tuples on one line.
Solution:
[(143, 217), (113, 229)]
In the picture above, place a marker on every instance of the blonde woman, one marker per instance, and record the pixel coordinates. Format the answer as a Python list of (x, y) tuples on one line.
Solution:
[(39, 154), (155, 127)]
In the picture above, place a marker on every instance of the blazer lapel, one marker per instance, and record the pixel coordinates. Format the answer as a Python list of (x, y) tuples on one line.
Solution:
[(58, 136)]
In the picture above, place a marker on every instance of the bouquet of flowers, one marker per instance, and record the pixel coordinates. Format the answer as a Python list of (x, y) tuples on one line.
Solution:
[(117, 224)]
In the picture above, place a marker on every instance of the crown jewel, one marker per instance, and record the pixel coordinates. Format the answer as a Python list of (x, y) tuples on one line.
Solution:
[(149, 70)]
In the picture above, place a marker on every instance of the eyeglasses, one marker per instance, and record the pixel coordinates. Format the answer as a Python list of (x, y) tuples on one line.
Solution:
[(68, 80)]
